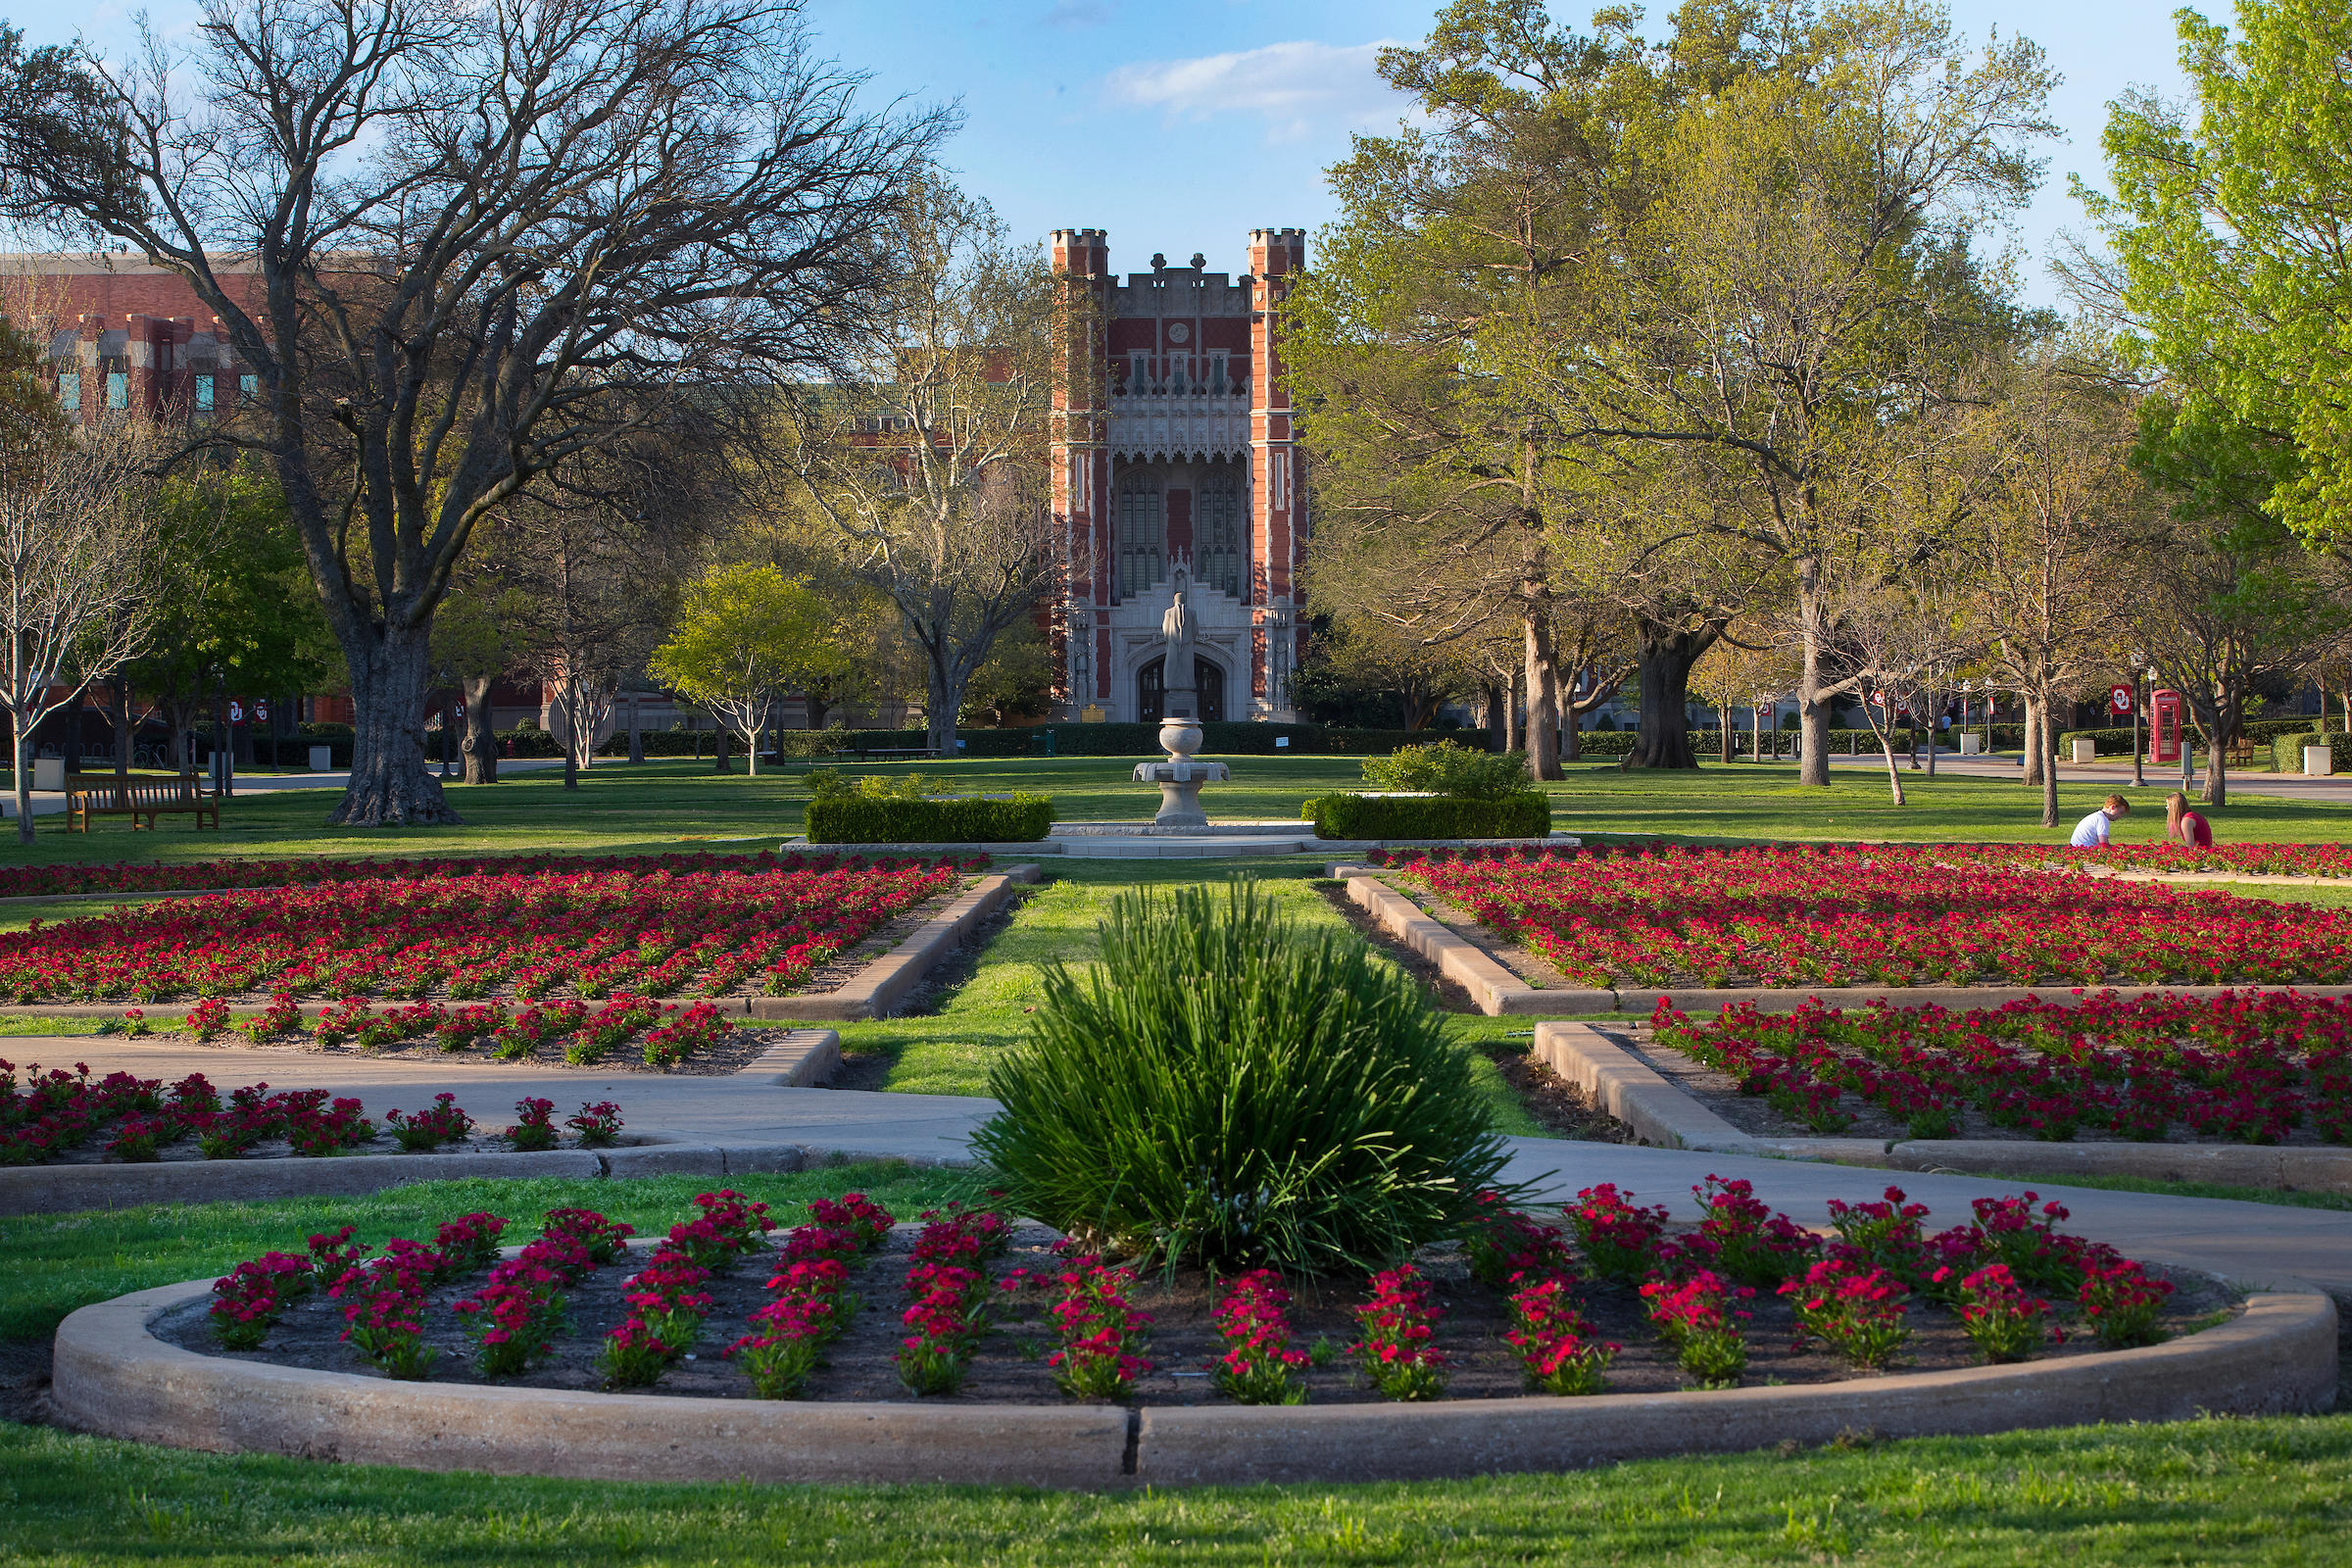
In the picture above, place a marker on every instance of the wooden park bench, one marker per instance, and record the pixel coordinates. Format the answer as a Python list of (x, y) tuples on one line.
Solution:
[(2241, 753), (886, 754), (182, 796)]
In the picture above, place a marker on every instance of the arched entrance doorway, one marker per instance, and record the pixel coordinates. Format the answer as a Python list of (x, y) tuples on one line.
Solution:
[(1152, 694)]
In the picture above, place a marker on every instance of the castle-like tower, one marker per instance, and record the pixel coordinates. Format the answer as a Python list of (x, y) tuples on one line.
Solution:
[(1173, 458)]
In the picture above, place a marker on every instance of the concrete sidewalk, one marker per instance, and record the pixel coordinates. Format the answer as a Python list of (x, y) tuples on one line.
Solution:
[(2254, 1240)]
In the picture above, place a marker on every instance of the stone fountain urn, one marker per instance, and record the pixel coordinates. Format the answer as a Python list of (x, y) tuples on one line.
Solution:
[(1180, 777)]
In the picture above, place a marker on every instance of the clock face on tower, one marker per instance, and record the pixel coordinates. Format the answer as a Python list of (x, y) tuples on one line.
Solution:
[(1178, 332)]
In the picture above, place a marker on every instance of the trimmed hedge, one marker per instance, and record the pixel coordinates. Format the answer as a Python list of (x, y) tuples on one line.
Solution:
[(867, 819), (1366, 816), (2287, 751), (1231, 737)]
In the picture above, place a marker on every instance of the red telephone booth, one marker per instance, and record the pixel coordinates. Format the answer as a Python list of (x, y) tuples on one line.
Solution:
[(2164, 726)]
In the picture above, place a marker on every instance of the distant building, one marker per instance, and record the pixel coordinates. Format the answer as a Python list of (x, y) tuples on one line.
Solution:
[(1173, 455), (126, 337)]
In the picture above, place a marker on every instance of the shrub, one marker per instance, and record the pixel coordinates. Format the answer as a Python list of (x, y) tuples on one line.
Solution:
[(1226, 1090), (2287, 751), (1525, 816), (865, 819), (1450, 769)]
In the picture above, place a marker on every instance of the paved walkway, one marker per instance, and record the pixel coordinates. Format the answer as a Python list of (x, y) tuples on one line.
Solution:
[(2255, 1240)]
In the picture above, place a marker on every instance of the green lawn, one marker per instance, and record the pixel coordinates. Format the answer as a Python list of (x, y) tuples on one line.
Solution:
[(949, 1051), (681, 805), (2244, 1492)]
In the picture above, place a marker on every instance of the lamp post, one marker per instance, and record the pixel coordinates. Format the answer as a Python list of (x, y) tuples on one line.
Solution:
[(2139, 666), (223, 757)]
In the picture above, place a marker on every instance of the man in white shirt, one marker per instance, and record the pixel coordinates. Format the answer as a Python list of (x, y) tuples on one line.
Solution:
[(2091, 832)]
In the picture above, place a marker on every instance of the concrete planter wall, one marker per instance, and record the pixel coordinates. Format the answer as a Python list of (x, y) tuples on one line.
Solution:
[(115, 1379)]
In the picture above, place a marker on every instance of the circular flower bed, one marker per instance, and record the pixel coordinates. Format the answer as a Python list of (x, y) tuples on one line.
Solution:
[(968, 1308)]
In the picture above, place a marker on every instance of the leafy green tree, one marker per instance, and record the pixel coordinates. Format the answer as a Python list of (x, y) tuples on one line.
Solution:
[(2227, 228), (746, 635), (239, 605)]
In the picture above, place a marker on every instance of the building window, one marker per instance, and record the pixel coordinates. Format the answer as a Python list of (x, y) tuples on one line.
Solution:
[(68, 391), (1142, 548), (118, 389), (204, 393), (1220, 498), (248, 386)]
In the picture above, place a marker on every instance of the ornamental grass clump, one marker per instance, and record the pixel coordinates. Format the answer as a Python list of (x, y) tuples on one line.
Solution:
[(1225, 1089)]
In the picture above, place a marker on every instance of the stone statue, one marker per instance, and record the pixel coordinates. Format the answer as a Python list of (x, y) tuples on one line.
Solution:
[(1178, 626)]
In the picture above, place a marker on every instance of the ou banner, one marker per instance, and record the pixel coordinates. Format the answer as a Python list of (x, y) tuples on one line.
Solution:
[(2119, 698)]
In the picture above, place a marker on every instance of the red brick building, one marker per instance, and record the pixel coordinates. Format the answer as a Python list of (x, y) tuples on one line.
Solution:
[(123, 337), (1173, 458)]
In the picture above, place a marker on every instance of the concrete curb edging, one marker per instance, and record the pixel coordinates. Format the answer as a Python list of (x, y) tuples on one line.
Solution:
[(1663, 1114), (878, 987), (802, 1059), (1494, 990), (114, 1378)]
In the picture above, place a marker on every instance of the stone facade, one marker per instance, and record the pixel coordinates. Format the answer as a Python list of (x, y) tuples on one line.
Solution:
[(1173, 457)]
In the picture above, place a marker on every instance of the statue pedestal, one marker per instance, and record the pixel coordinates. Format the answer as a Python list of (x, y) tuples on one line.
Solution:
[(1180, 777)]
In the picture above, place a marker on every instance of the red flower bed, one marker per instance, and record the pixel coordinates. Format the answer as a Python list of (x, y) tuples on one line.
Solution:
[(55, 881), (2244, 1067), (135, 1119), (627, 931), (2237, 860), (1892, 917)]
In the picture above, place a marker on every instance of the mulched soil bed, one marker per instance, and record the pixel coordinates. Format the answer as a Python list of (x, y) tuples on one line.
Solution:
[(1720, 1093), (1010, 1367)]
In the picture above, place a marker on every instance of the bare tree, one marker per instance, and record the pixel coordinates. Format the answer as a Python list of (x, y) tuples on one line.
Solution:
[(2056, 494), (930, 455), (76, 573), (458, 244)]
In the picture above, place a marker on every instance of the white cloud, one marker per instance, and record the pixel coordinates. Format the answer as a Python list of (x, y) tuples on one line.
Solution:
[(1294, 86)]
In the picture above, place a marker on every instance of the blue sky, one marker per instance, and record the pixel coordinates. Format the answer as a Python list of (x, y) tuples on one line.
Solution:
[(1182, 126)]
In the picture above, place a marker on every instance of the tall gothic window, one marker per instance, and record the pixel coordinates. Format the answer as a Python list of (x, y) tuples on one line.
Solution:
[(1143, 542), (1220, 498)]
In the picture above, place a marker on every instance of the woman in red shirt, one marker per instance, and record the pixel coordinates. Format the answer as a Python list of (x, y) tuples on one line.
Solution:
[(2185, 826)]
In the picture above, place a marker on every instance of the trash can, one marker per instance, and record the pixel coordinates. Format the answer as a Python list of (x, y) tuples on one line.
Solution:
[(322, 759), (1971, 744), (2087, 750), (48, 773), (2319, 761)]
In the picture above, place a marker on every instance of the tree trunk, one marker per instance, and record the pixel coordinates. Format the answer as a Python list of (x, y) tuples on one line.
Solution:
[(1895, 771), (1812, 702), (2031, 773), (723, 766), (1510, 711), (390, 785), (636, 735), (2049, 769), (22, 733), (479, 747), (1723, 728), (1666, 657), (1497, 732), (122, 730), (1542, 698)]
